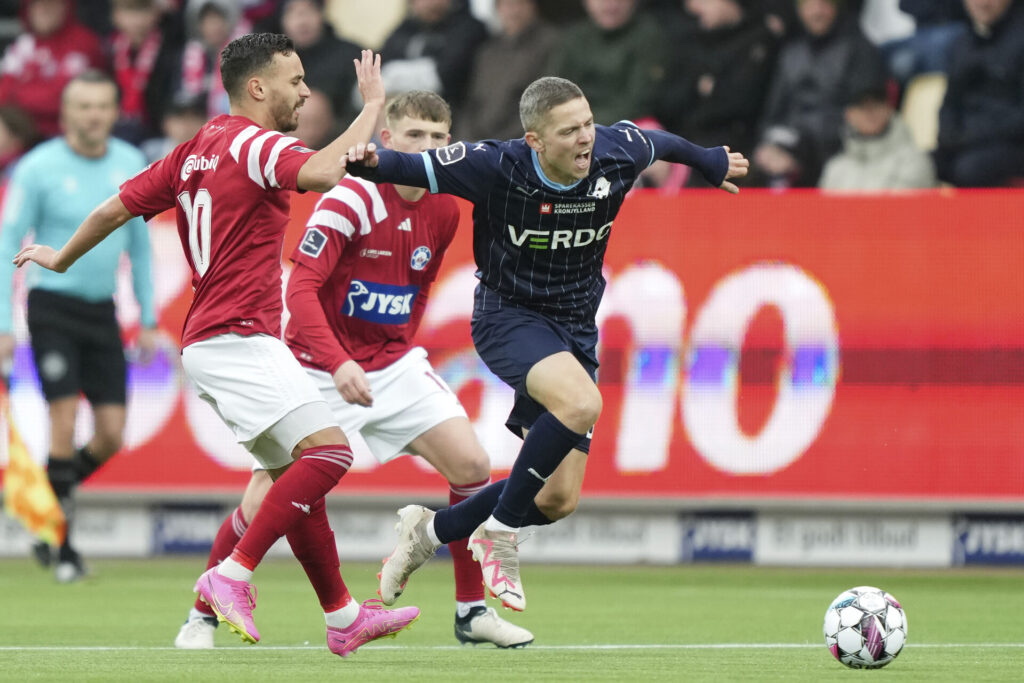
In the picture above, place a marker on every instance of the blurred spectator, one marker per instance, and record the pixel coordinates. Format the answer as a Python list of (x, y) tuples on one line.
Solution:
[(617, 56), (365, 23), (181, 121), (145, 61), (10, 24), (779, 16), (784, 159), (814, 76), (209, 25), (938, 24), (326, 59), (317, 123), (433, 49), (37, 66), (879, 152), (882, 22), (981, 123), (504, 66), (716, 80), (261, 15), (95, 15), (18, 135)]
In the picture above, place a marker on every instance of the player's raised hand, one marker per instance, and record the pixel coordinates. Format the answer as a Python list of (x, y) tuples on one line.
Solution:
[(352, 384), (363, 153), (371, 85), (38, 253), (739, 165)]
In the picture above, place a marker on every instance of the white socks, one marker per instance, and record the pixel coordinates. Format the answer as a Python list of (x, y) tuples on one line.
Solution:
[(344, 617), (462, 608), (194, 614), (233, 570), (494, 525), (431, 534)]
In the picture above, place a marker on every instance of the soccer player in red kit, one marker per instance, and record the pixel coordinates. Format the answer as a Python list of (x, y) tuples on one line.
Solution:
[(228, 188), (362, 276)]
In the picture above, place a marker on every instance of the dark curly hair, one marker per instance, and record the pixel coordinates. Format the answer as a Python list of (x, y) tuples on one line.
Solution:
[(248, 55)]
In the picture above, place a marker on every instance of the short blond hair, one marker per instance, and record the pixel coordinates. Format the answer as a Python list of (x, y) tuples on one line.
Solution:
[(418, 104), (543, 95)]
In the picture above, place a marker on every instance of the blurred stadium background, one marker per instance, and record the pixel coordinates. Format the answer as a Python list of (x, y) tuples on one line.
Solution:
[(794, 379)]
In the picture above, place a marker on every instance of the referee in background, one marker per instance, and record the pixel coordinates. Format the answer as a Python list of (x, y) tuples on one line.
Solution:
[(76, 339)]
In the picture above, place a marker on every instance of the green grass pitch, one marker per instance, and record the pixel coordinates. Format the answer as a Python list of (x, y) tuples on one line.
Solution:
[(685, 623)]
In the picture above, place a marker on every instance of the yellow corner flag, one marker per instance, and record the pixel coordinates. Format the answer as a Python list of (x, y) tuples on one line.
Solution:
[(28, 496)]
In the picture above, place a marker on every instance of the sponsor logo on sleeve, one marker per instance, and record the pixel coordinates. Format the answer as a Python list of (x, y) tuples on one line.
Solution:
[(304, 150), (313, 242), (451, 153)]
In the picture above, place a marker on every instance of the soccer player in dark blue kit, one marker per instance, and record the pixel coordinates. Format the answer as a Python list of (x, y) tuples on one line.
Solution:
[(543, 208)]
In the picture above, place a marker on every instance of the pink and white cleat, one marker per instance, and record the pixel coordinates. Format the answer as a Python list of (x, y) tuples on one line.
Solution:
[(497, 553), (232, 601), (372, 623)]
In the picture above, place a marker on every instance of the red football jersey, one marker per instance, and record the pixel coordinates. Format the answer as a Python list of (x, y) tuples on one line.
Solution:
[(227, 185), (372, 257)]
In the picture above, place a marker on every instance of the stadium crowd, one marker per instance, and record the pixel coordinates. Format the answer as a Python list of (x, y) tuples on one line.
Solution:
[(811, 90)]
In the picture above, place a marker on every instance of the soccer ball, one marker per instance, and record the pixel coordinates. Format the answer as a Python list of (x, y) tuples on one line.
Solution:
[(865, 628)]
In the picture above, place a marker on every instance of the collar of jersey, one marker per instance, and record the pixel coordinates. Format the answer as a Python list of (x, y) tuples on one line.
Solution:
[(547, 181)]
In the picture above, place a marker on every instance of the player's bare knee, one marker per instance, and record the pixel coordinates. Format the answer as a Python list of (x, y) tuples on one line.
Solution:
[(558, 505), (581, 413), (470, 471)]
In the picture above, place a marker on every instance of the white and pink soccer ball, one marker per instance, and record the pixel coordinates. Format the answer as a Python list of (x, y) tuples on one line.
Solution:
[(865, 628)]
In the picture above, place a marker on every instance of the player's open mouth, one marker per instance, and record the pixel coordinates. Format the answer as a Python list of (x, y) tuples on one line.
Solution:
[(583, 160)]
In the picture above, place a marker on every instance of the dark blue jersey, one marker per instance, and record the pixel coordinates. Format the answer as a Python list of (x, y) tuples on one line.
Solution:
[(538, 244)]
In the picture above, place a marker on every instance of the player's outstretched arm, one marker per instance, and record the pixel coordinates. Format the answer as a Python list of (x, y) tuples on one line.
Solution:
[(104, 219), (323, 170), (739, 165), (716, 164), (389, 166)]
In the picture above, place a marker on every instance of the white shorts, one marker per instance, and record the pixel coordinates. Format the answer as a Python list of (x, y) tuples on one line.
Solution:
[(260, 391), (409, 399)]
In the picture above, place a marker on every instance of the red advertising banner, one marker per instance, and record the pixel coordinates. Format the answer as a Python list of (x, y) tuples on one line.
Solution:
[(763, 346)]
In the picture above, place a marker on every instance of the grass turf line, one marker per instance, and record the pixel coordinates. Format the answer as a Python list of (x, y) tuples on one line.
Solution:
[(584, 618)]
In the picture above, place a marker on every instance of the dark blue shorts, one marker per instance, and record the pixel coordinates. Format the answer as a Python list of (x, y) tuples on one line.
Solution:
[(510, 341)]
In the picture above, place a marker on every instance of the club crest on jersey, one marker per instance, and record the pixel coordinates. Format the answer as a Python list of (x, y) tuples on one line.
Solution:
[(451, 153), (420, 258), (313, 242), (600, 189), (194, 162), (380, 303)]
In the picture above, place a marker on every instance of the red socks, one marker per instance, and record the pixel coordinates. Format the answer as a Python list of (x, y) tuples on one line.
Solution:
[(231, 529), (291, 499), (313, 543), (469, 587)]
